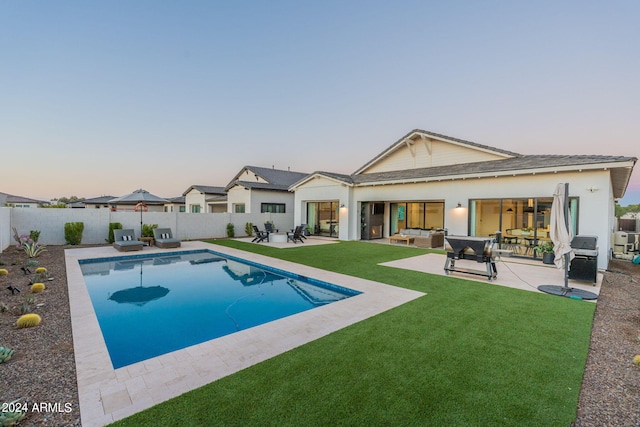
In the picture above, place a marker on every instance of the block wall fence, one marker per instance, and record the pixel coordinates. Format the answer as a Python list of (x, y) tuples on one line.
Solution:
[(185, 226)]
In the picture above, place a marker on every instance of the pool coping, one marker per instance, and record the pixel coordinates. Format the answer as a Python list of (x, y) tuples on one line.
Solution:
[(107, 394)]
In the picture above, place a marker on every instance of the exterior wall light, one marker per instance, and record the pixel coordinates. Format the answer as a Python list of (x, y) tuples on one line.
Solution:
[(459, 205)]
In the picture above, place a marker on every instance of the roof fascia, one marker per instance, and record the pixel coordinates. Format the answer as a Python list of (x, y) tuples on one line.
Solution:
[(496, 174), (315, 175)]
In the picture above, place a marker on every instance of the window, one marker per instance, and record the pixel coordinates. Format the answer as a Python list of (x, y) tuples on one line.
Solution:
[(426, 215), (195, 208), (238, 208), (273, 207), (183, 209)]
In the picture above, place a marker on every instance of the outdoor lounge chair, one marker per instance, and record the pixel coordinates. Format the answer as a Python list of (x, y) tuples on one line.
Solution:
[(268, 226), (260, 235), (164, 238), (125, 240), (296, 236)]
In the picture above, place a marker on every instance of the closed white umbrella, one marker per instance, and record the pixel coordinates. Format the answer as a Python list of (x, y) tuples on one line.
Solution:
[(560, 232), (561, 235)]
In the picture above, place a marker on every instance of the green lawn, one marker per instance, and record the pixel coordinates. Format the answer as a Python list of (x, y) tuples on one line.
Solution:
[(467, 353)]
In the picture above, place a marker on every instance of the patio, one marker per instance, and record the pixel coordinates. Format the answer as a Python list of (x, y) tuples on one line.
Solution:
[(518, 273)]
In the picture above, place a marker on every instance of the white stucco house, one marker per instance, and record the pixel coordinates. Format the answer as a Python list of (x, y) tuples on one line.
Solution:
[(10, 200), (175, 204), (265, 190), (205, 199), (431, 181)]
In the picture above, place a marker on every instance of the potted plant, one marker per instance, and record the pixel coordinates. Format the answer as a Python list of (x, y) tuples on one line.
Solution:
[(546, 250)]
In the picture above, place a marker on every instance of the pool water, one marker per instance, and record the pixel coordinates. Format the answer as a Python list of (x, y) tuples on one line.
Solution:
[(151, 305)]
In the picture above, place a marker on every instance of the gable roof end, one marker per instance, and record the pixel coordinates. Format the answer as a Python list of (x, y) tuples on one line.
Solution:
[(341, 178), (419, 133)]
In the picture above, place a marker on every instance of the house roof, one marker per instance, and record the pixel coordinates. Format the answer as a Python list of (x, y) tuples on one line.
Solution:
[(277, 179), (101, 199), (206, 189), (10, 198), (510, 164), (341, 178), (417, 134), (176, 200), (216, 199)]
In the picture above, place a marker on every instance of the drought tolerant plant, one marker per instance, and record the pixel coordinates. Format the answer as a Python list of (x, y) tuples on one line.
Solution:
[(26, 304), (28, 320), (34, 235), (248, 229), (3, 272), (14, 413), (29, 265), (73, 232), (28, 244), (230, 230), (41, 275), (147, 229), (113, 226), (636, 360), (37, 288), (5, 354)]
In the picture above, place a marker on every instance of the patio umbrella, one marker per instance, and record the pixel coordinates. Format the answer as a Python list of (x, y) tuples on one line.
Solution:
[(561, 235), (139, 198)]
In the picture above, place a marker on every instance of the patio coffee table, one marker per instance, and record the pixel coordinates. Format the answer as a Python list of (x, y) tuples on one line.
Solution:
[(401, 238)]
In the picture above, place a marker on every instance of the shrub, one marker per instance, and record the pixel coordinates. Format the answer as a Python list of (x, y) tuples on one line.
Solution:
[(248, 228), (73, 232), (230, 230), (113, 226), (37, 288), (147, 229), (3, 272), (28, 320), (34, 235), (636, 360)]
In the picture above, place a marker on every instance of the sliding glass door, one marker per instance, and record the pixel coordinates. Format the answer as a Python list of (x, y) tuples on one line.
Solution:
[(425, 215), (523, 222), (322, 217)]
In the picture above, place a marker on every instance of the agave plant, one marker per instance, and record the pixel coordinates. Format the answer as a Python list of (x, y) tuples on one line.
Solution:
[(14, 414), (33, 249), (5, 354)]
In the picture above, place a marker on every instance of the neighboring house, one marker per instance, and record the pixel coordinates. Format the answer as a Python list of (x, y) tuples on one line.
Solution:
[(101, 202), (176, 204), (205, 199), (20, 202), (631, 215), (431, 181), (256, 189)]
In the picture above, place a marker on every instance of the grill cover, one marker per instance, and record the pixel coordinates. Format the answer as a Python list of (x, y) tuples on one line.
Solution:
[(585, 242)]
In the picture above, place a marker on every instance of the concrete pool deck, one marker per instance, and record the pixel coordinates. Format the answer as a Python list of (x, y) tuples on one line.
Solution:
[(108, 394)]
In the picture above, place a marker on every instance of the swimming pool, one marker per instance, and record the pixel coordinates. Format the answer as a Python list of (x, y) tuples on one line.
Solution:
[(149, 305)]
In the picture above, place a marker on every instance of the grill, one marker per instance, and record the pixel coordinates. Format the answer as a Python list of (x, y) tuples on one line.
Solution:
[(585, 265), (477, 249)]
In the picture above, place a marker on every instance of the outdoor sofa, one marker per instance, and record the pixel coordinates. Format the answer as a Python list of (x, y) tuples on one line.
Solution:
[(424, 238)]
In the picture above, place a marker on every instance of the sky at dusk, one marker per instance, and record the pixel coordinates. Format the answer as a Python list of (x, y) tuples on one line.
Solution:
[(104, 97)]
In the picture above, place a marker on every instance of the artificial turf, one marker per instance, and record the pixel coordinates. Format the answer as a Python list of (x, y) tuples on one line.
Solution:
[(466, 353)]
